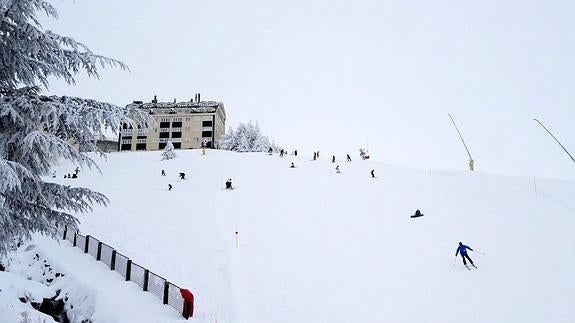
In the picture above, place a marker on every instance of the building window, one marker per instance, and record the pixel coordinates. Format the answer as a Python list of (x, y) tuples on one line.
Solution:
[(163, 140), (177, 145), (207, 123), (164, 135), (206, 134), (164, 130), (176, 129), (126, 141), (162, 145), (141, 146), (142, 131), (179, 119), (177, 124), (176, 135), (164, 124), (127, 147), (165, 120), (141, 141)]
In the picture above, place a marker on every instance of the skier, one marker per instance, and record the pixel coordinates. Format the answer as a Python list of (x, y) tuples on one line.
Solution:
[(295, 152), (333, 159), (318, 154), (337, 169), (77, 170), (462, 249), (270, 150), (373, 173), (182, 175), (163, 172), (54, 174), (314, 155), (348, 158), (292, 165), (169, 187), (281, 153), (75, 175), (229, 184)]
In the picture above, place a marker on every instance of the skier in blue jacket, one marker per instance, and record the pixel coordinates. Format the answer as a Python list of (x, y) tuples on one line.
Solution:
[(462, 249)]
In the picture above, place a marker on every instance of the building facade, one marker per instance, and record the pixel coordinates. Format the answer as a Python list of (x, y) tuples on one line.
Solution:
[(187, 125)]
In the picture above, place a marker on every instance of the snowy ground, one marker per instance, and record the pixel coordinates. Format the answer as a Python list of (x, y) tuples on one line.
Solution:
[(316, 246)]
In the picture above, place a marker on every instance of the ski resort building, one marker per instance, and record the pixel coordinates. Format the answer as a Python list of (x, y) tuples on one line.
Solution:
[(190, 124)]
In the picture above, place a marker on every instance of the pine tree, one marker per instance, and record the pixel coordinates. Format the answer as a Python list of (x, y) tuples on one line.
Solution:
[(169, 152), (38, 130), (246, 138)]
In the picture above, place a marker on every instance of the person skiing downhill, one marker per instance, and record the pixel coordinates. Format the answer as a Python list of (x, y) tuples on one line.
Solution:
[(462, 250)]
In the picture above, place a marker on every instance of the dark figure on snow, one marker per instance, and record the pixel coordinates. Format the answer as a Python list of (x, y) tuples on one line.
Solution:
[(169, 187), (74, 175), (333, 159), (69, 176), (281, 153), (270, 150), (163, 172), (318, 154), (348, 158), (337, 169), (292, 165), (462, 250), (314, 156), (295, 152), (373, 173), (77, 170), (182, 175), (229, 184)]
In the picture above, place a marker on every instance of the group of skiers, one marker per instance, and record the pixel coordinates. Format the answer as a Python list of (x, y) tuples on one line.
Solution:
[(75, 175)]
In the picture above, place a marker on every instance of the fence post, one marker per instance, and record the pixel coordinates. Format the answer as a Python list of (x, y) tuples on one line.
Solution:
[(146, 277), (99, 254), (128, 269), (113, 260), (166, 292), (86, 243)]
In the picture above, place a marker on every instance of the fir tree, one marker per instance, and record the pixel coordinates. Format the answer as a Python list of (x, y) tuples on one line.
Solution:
[(168, 152), (37, 130), (246, 138)]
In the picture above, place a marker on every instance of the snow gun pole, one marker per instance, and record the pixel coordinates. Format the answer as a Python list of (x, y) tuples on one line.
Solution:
[(464, 144), (549, 132)]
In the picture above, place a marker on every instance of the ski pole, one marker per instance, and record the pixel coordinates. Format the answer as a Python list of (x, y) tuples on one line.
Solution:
[(479, 252), (454, 259)]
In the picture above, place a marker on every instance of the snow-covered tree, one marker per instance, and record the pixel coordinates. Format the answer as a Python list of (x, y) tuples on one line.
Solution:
[(246, 138), (169, 152), (37, 130)]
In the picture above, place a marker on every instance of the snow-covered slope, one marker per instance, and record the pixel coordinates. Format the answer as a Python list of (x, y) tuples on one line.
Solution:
[(316, 246)]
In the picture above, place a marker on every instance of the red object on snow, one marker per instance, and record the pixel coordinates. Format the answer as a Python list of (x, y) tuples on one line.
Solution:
[(188, 303)]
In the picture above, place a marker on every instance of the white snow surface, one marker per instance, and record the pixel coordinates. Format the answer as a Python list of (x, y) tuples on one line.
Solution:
[(316, 246)]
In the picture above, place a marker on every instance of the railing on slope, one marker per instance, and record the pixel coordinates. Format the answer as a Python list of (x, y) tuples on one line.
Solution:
[(170, 294)]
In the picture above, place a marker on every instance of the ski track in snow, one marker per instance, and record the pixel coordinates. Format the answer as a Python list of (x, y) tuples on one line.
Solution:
[(316, 246)]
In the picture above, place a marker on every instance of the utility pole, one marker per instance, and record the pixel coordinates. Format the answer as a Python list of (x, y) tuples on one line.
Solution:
[(549, 132), (471, 162)]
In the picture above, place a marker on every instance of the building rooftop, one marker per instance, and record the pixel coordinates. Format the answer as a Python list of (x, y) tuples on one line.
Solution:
[(155, 107)]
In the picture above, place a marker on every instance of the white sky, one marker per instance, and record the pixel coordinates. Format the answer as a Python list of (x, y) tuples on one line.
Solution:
[(337, 75)]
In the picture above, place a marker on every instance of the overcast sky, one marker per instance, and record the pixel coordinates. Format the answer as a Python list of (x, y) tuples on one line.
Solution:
[(337, 75)]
